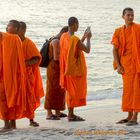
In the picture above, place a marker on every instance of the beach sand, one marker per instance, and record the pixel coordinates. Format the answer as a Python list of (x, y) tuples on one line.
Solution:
[(99, 125)]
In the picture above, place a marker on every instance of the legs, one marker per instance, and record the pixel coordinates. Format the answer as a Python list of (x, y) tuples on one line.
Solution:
[(134, 117), (57, 116), (8, 125), (72, 116), (130, 115), (51, 116), (49, 113), (57, 113), (60, 114), (130, 98), (133, 120), (70, 112), (128, 118), (13, 124)]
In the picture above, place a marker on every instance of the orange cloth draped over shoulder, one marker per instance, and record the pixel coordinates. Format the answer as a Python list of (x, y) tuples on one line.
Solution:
[(71, 78), (34, 87), (128, 44), (12, 78)]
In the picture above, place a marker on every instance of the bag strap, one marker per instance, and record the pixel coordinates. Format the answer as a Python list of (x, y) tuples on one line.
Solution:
[(54, 37)]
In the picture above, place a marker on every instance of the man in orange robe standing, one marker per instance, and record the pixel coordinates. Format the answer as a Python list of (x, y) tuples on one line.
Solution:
[(73, 68), (34, 87), (126, 52), (12, 80), (55, 94)]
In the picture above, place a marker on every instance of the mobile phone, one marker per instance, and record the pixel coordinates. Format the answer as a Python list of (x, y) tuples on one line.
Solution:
[(88, 29)]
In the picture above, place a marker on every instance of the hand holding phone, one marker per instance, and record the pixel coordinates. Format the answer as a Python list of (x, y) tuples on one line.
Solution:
[(88, 29)]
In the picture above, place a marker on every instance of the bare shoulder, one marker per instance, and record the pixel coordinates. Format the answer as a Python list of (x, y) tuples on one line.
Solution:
[(55, 42)]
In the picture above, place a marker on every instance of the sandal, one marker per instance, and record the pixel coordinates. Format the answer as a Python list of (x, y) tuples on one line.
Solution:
[(122, 121), (132, 123), (34, 124), (75, 119), (53, 117), (62, 115)]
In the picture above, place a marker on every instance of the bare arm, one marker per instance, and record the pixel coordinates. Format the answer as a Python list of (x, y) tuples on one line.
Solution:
[(117, 60), (32, 61), (116, 56), (56, 49), (86, 35), (82, 46), (83, 38)]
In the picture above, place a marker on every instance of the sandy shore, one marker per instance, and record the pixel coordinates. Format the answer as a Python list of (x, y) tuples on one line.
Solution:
[(99, 125)]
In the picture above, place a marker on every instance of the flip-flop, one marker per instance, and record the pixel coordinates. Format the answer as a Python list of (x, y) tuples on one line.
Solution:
[(53, 117), (132, 123), (62, 115), (34, 124), (122, 121), (75, 119)]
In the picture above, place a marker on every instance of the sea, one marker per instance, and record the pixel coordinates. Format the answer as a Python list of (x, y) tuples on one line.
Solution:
[(45, 18)]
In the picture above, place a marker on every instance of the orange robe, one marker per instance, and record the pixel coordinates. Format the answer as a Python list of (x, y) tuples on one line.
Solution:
[(12, 78), (34, 88), (74, 83), (55, 95), (127, 40)]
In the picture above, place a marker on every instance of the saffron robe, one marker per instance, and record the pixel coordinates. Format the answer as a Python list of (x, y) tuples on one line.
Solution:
[(127, 40), (12, 78), (55, 95), (34, 87), (75, 85)]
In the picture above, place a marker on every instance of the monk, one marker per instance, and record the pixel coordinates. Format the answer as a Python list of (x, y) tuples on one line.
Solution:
[(55, 95), (126, 52), (12, 81), (34, 88), (12, 27), (73, 69)]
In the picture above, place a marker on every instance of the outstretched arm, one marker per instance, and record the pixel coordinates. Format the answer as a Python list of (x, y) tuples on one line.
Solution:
[(82, 46)]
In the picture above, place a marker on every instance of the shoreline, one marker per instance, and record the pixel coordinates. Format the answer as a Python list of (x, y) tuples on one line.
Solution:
[(100, 123)]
